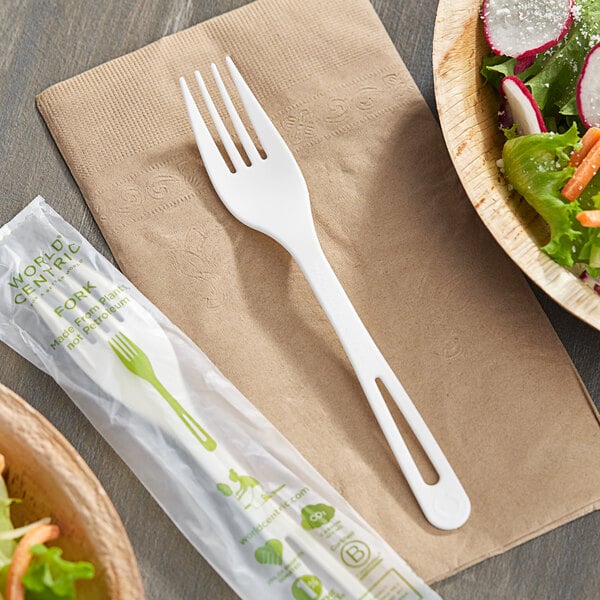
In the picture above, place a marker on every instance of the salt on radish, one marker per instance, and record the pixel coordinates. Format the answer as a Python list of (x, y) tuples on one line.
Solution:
[(524, 109), (588, 89), (522, 28)]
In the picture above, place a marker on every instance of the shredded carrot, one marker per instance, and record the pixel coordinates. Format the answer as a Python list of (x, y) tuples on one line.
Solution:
[(589, 218), (591, 136), (22, 557), (583, 174)]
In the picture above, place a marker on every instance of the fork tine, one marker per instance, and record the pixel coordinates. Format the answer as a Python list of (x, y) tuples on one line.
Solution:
[(129, 346), (125, 351), (265, 130), (230, 148), (124, 339), (117, 350), (211, 157), (238, 125)]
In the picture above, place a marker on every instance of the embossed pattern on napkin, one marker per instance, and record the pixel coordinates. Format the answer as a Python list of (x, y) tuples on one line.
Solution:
[(453, 316)]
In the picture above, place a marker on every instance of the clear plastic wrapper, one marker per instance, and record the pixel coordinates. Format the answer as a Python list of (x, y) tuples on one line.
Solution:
[(236, 488)]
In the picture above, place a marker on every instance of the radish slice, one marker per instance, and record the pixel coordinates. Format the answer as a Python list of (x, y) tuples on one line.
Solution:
[(505, 118), (523, 107), (521, 28), (588, 89), (523, 63)]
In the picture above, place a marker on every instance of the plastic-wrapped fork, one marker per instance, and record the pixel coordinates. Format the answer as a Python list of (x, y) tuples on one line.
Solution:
[(270, 195)]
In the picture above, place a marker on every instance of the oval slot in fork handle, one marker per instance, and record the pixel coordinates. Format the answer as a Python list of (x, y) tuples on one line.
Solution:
[(195, 428), (445, 503)]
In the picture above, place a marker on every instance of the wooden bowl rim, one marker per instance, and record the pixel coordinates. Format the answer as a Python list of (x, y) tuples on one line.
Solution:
[(113, 548)]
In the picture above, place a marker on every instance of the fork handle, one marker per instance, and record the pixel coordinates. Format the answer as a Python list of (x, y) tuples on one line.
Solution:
[(445, 504), (195, 428)]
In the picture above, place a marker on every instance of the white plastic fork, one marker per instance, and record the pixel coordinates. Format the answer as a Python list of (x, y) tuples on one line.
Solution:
[(270, 195)]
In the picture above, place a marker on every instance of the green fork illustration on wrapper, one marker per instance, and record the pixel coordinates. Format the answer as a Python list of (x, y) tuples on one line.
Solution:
[(136, 360)]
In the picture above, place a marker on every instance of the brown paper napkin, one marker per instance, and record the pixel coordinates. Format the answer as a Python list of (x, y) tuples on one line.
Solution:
[(453, 316)]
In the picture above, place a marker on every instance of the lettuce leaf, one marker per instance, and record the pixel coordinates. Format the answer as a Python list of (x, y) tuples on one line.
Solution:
[(7, 547), (50, 577), (495, 68), (537, 168)]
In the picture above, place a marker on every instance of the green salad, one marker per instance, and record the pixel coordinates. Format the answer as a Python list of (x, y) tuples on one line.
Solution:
[(553, 169), (29, 569)]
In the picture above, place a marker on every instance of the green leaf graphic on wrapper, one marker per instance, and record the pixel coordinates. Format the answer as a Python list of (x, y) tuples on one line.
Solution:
[(316, 515), (224, 489), (270, 554)]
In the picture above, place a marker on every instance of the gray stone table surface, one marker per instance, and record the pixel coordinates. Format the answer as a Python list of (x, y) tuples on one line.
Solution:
[(45, 41)]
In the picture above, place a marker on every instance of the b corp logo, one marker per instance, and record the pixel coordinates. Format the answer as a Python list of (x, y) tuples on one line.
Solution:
[(355, 554)]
